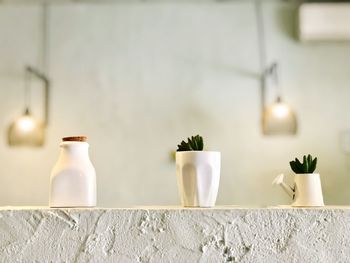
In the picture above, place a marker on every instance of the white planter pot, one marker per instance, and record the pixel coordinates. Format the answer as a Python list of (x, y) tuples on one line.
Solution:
[(198, 177), (308, 190), (73, 178)]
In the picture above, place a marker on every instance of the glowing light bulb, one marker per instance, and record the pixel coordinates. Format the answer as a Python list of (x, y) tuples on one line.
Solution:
[(25, 123), (26, 131), (280, 110), (279, 119)]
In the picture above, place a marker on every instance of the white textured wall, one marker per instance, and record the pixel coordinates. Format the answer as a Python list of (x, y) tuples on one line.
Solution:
[(175, 235), (137, 78)]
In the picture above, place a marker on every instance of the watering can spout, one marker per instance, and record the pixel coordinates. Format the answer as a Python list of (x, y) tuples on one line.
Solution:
[(279, 181)]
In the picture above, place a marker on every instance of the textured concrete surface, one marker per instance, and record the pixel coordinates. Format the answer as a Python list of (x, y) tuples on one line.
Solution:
[(175, 235)]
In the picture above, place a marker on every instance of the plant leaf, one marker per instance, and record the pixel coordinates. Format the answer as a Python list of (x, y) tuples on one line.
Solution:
[(305, 165), (201, 145), (308, 166), (298, 163), (194, 143), (293, 166), (313, 165)]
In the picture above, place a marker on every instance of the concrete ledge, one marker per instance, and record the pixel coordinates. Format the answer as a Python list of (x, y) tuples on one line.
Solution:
[(223, 234)]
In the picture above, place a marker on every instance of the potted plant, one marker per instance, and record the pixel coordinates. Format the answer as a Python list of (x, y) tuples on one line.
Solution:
[(307, 190), (198, 173)]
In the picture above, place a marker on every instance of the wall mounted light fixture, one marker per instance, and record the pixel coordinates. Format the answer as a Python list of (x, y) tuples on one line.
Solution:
[(26, 130), (277, 118)]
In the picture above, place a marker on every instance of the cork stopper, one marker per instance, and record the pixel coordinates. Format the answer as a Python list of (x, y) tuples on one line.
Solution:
[(74, 139)]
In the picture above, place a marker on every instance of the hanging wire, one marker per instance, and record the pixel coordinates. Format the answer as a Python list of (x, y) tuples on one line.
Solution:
[(261, 35), (261, 49), (273, 72), (44, 38), (27, 90), (45, 16), (39, 73), (266, 72)]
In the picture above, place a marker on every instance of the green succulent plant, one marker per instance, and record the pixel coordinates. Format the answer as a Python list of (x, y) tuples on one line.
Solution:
[(195, 143), (307, 167)]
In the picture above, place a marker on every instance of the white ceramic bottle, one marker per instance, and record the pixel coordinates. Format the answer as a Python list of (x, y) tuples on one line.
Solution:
[(73, 178)]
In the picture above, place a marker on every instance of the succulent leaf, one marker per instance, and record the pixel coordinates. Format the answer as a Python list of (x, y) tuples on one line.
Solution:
[(298, 162), (313, 165), (194, 143), (309, 159), (305, 165), (201, 144), (308, 165), (294, 167)]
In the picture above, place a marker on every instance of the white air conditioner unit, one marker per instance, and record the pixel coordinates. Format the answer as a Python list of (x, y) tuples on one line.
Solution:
[(324, 21)]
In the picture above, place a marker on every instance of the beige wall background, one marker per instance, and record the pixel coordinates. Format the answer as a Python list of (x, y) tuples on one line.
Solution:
[(138, 77)]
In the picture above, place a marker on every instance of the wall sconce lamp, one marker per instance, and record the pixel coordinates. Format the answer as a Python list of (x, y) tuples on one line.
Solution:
[(26, 130), (277, 118)]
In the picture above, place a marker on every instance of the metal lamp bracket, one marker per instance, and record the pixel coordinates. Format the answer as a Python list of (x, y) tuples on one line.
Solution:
[(41, 76)]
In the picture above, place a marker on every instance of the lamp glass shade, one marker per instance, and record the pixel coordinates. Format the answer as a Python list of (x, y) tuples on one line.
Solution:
[(26, 131), (279, 119)]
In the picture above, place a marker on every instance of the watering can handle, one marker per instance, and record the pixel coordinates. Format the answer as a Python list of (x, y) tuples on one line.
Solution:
[(279, 181)]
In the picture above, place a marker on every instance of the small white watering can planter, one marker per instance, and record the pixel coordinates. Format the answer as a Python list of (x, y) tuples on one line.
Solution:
[(307, 190), (198, 177)]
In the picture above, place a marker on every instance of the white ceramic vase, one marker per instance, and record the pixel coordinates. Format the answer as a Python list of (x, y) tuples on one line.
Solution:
[(307, 189), (73, 178), (198, 177)]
